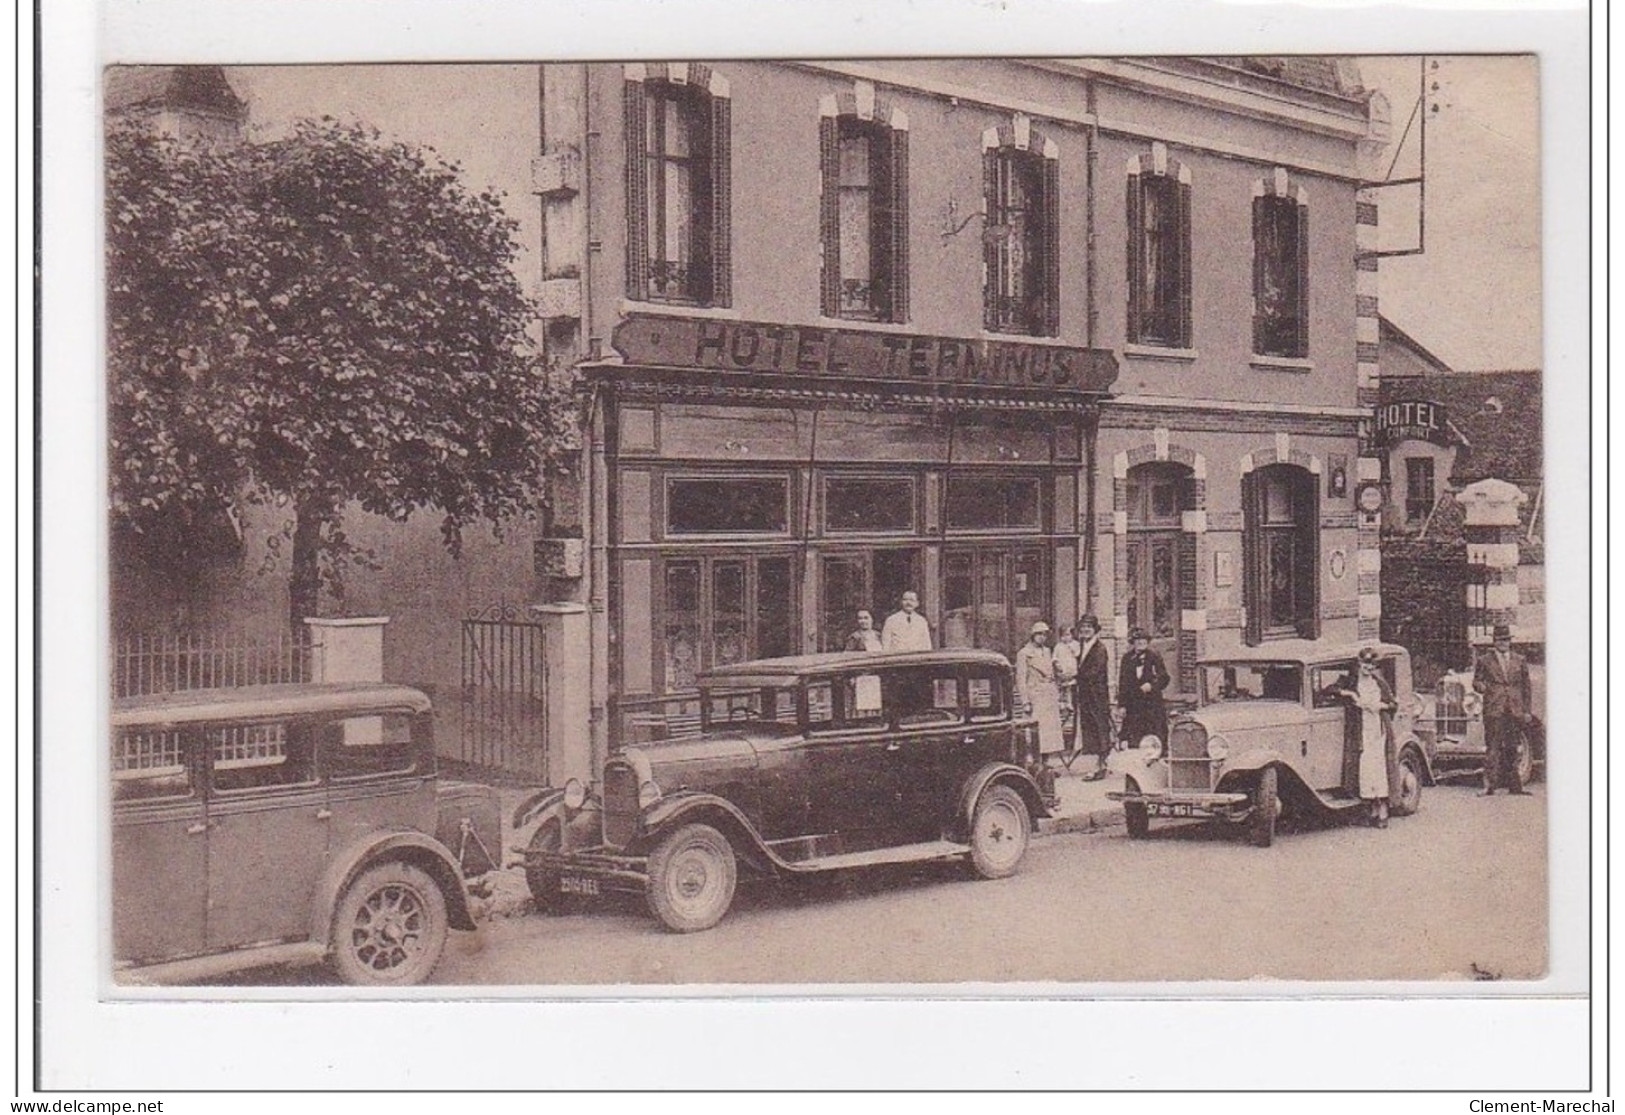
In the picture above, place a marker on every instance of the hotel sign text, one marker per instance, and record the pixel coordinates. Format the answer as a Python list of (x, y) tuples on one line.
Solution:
[(1415, 420), (803, 350)]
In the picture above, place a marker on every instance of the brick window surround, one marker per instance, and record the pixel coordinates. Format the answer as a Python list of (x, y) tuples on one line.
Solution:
[(1021, 193), (863, 207), (1159, 250), (678, 124), (1280, 268)]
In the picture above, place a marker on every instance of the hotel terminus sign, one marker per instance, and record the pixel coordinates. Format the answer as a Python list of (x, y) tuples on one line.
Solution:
[(804, 350)]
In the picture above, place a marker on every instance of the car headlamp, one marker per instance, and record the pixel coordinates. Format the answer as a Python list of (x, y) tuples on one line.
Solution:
[(648, 794), (575, 794), (1151, 747), (1218, 748), (1472, 704)]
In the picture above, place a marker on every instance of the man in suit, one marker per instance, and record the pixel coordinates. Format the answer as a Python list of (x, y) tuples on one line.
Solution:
[(1140, 681), (906, 629), (1501, 676)]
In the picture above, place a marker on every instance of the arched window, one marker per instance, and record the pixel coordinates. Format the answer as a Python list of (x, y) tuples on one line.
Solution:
[(1022, 235), (677, 185), (863, 156), (1159, 251), (1159, 556), (1280, 268), (1281, 508)]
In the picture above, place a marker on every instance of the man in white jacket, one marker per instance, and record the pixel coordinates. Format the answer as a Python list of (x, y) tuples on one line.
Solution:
[(906, 629)]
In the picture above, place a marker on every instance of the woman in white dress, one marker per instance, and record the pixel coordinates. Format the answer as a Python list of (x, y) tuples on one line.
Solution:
[(1037, 693), (1375, 702)]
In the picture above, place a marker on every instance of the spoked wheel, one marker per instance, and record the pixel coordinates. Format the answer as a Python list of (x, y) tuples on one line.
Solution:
[(999, 832), (692, 876), (390, 927), (1526, 760), (1261, 825), (1409, 798)]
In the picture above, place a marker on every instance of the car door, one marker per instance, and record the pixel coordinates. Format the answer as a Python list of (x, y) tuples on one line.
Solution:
[(1333, 761), (376, 771), (846, 761), (160, 847), (268, 825), (931, 750)]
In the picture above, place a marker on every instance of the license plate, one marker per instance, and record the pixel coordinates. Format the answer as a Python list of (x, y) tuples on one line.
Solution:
[(569, 884), (1172, 809)]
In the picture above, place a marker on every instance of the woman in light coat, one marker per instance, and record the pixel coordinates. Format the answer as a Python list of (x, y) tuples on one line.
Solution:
[(1037, 694)]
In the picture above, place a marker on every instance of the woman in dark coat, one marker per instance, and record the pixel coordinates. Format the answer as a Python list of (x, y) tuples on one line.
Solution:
[(1140, 682), (1093, 699)]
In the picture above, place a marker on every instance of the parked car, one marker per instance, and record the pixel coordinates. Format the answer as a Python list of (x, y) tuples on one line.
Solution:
[(1269, 736), (803, 765), (289, 823), (1452, 718)]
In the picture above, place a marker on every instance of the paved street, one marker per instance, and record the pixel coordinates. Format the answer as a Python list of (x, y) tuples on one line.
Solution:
[(1417, 901)]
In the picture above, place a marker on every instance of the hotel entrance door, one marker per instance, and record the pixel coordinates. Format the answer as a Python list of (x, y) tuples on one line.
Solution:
[(872, 579)]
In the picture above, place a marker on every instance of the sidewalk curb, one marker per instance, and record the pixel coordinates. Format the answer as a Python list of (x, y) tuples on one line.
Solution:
[(1095, 820)]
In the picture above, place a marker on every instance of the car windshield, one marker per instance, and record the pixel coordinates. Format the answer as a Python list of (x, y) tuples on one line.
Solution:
[(766, 709), (1252, 681)]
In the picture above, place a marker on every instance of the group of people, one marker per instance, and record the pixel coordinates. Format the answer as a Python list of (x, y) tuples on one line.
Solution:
[(904, 629), (1072, 678)]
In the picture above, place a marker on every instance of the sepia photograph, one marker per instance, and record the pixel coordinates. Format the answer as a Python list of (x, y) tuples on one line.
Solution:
[(725, 526)]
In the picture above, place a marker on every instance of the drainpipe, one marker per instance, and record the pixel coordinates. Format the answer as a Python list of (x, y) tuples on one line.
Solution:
[(597, 598), (1091, 413)]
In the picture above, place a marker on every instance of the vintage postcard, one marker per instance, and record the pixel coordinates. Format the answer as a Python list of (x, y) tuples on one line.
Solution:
[(1023, 523)]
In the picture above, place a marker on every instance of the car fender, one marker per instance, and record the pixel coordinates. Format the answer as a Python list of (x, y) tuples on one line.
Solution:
[(1412, 744), (407, 845), (1253, 759), (578, 828), (999, 774), (697, 807), (529, 811)]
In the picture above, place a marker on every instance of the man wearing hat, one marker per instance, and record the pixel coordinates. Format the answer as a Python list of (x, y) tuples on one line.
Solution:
[(1501, 676), (1141, 678), (1036, 692)]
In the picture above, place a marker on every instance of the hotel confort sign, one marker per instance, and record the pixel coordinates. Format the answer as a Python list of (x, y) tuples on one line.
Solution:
[(801, 350), (1412, 420)]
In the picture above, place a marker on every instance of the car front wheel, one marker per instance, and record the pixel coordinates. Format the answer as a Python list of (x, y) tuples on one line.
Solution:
[(1261, 825), (390, 927), (1409, 798), (999, 831), (692, 876), (544, 882)]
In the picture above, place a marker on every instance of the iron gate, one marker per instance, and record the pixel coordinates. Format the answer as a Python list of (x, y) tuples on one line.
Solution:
[(504, 725)]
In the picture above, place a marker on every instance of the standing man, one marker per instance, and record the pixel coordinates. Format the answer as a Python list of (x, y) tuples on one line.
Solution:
[(1093, 699), (906, 629), (1502, 677), (1140, 682)]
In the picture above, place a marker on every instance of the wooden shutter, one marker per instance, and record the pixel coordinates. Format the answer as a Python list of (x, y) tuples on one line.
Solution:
[(1136, 259), (899, 225), (990, 248), (721, 211), (1302, 349), (1260, 270), (829, 213), (1254, 580), (1050, 250), (1306, 549), (637, 193), (881, 217), (1182, 239)]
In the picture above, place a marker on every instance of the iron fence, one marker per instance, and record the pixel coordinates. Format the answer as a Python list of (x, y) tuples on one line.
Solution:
[(145, 664)]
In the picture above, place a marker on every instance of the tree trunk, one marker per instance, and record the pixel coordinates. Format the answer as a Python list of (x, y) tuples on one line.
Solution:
[(305, 582)]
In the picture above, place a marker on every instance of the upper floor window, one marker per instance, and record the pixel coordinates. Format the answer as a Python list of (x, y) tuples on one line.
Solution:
[(1022, 246), (677, 185), (1418, 489), (863, 154), (1280, 269), (1159, 251)]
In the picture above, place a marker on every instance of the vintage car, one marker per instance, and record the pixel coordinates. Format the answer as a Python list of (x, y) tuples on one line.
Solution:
[(1452, 718), (803, 765), (284, 824), (1270, 735)]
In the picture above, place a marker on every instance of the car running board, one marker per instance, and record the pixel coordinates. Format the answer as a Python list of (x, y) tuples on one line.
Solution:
[(200, 968), (903, 853)]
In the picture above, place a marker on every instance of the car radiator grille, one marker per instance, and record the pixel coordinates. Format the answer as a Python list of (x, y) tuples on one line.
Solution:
[(1188, 764), (620, 803)]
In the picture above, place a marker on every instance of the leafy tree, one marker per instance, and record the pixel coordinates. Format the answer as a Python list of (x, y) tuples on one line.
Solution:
[(320, 320)]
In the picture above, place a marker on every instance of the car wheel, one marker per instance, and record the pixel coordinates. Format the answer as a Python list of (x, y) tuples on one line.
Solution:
[(692, 876), (1526, 761), (1261, 825), (999, 830), (390, 927), (1409, 798), (1138, 819), (543, 882)]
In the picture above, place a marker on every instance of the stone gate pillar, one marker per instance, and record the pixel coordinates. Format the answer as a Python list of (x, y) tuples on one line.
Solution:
[(1491, 528), (347, 648), (566, 655)]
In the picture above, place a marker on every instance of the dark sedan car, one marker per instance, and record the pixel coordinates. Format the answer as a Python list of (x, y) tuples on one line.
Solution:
[(803, 765)]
